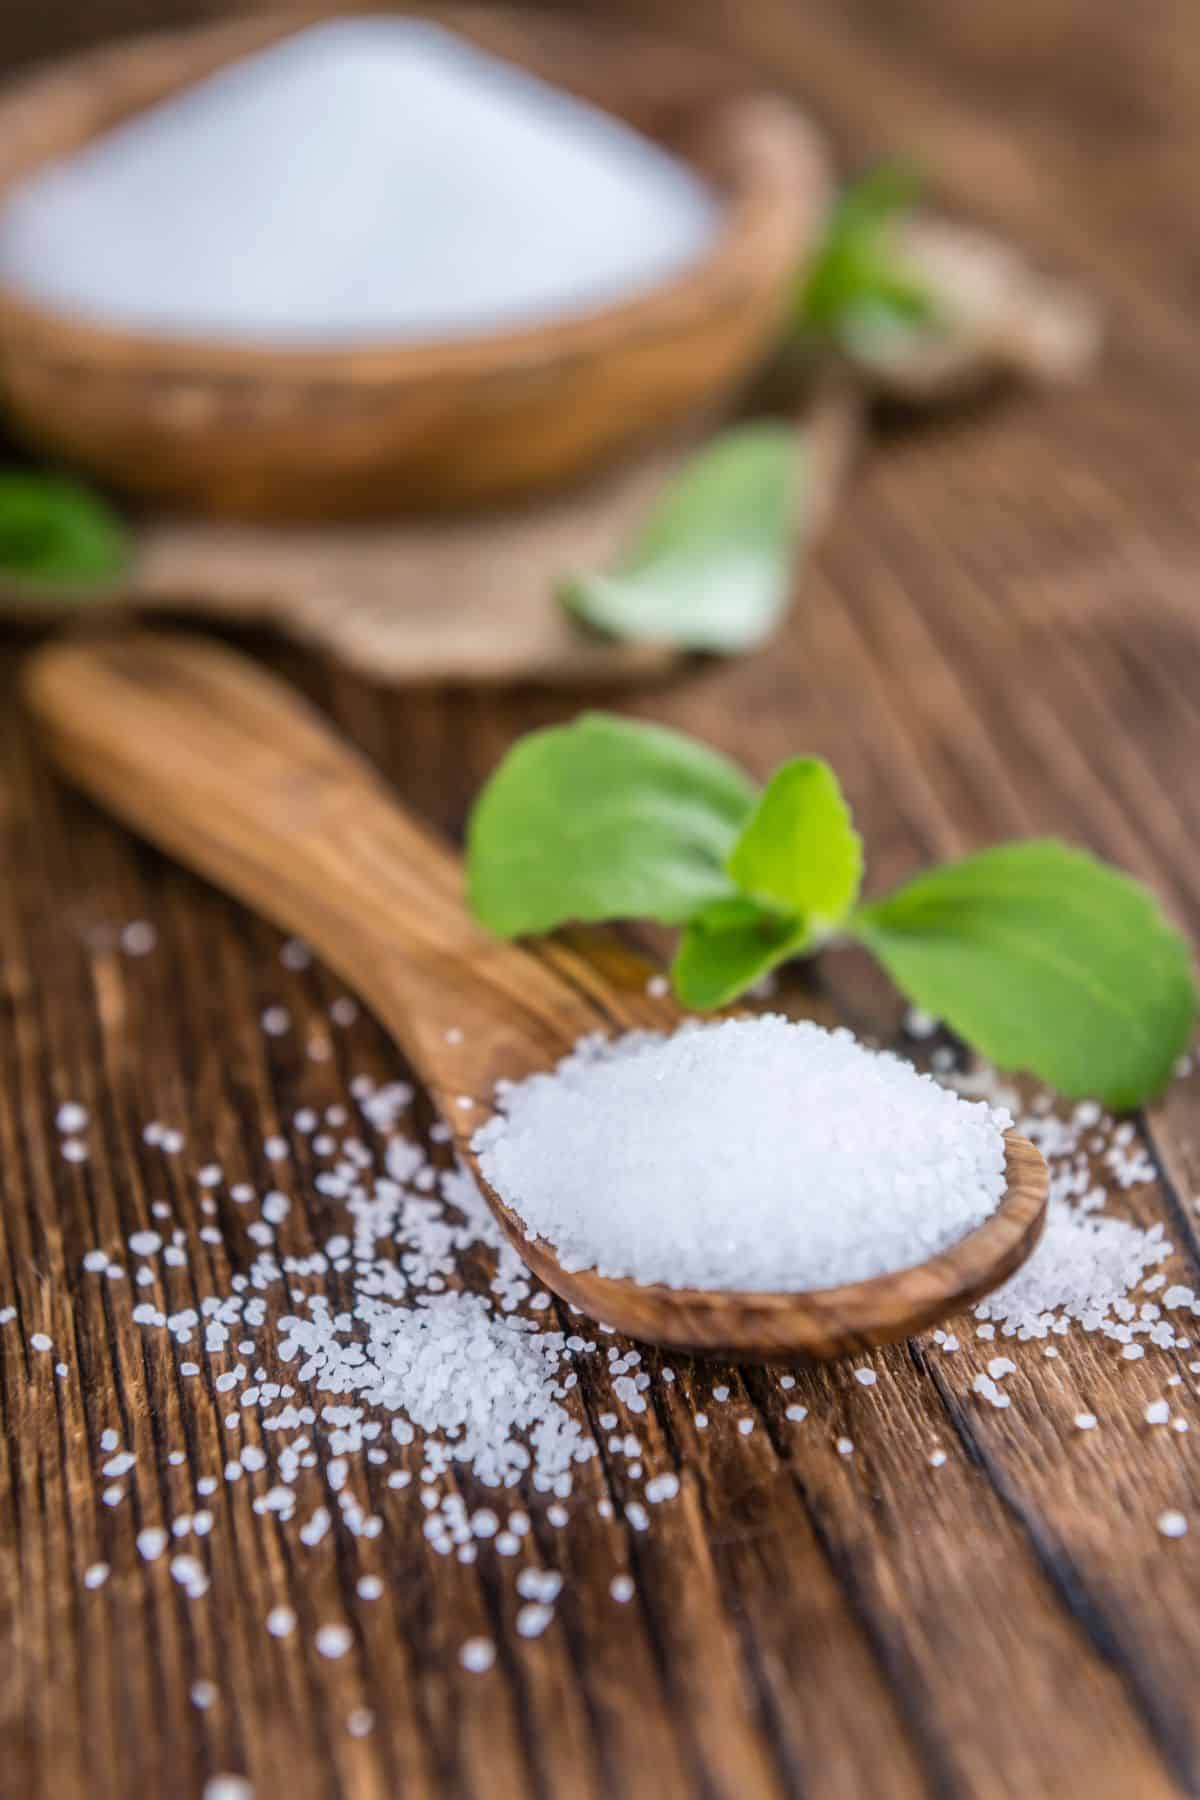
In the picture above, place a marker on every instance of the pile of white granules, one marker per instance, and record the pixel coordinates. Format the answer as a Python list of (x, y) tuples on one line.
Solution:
[(754, 1154), (413, 1344), (364, 179)]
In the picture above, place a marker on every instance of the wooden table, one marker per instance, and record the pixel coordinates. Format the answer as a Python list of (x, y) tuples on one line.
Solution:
[(1001, 637)]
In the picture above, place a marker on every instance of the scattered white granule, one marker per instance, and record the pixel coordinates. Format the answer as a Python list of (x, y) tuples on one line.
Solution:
[(1000, 1366), (621, 1588), (533, 1619), (1085, 1421), (71, 1118), (796, 1413), (745, 1426), (334, 1640), (865, 1377), (281, 1621), (1172, 1524), (984, 1386), (39, 1341), (204, 1694), (936, 1458), (96, 1575), (228, 1787), (544, 1585), (138, 938), (275, 1208), (662, 1487), (276, 1020), (477, 1655), (369, 1587), (151, 1542), (621, 1157), (490, 1383), (845, 1446), (145, 1243), (295, 954), (1087, 1262), (658, 987), (188, 1572), (919, 1024), (1157, 1413)]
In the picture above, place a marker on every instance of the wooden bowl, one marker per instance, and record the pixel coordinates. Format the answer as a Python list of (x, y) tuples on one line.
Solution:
[(365, 430)]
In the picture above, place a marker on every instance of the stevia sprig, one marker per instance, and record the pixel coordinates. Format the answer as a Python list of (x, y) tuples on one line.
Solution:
[(57, 534), (1039, 955)]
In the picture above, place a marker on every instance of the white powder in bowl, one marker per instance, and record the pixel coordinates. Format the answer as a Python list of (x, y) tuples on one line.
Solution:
[(368, 178), (756, 1154)]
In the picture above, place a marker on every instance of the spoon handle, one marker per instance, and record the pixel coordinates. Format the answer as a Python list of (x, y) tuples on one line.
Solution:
[(234, 774)]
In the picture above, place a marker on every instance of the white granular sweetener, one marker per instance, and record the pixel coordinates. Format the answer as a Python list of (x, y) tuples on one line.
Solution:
[(752, 1153), (366, 178)]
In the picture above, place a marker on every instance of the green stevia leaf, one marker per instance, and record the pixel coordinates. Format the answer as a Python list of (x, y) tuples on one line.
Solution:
[(858, 266), (603, 819), (799, 849), (730, 946), (711, 568), (54, 532), (1043, 959)]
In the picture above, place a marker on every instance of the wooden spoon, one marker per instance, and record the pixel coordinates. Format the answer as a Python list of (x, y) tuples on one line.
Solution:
[(237, 776)]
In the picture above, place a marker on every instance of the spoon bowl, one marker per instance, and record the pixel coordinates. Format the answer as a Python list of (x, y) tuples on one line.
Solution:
[(233, 773), (815, 1323)]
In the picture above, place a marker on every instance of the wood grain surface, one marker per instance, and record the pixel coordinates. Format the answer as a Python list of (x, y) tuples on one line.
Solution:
[(999, 636)]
